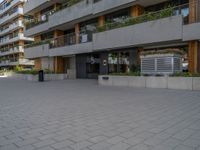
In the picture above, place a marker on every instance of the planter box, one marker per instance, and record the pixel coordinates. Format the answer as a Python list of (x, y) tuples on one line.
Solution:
[(138, 82), (196, 83), (47, 77), (120, 81), (105, 80), (179, 83), (156, 82)]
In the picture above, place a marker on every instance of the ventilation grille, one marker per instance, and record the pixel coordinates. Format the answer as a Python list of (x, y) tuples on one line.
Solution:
[(161, 65)]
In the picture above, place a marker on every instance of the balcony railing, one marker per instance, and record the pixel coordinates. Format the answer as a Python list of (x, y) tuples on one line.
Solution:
[(35, 22), (150, 16), (70, 39), (66, 40)]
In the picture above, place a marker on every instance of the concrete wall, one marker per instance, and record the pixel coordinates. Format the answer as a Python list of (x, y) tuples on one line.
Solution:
[(72, 49), (105, 5), (71, 71), (191, 32), (178, 83), (31, 4), (166, 29), (38, 51), (37, 29), (74, 12)]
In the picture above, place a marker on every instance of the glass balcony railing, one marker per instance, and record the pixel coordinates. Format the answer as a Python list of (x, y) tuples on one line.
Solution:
[(66, 40), (149, 16), (35, 22)]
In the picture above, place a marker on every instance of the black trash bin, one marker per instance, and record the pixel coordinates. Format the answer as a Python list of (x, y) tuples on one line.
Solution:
[(41, 76)]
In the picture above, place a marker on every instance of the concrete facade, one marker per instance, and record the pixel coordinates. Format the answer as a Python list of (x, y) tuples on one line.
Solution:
[(90, 32)]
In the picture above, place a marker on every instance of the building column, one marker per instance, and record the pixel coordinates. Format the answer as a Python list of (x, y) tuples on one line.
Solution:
[(193, 11), (101, 21), (59, 36), (38, 65), (136, 10), (77, 33), (58, 64), (193, 51), (193, 48)]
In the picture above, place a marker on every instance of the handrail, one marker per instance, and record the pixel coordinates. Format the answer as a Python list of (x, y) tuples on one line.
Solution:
[(34, 22), (149, 16)]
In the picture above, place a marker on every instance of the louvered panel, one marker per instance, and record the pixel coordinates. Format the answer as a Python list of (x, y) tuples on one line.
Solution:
[(161, 65), (164, 64)]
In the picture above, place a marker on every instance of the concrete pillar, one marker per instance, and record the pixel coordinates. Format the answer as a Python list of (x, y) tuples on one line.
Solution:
[(193, 51), (101, 21), (137, 10), (38, 65), (58, 64), (193, 11), (77, 33), (198, 58), (37, 38), (59, 36), (58, 33)]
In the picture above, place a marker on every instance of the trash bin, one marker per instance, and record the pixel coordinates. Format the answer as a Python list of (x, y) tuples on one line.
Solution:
[(41, 76)]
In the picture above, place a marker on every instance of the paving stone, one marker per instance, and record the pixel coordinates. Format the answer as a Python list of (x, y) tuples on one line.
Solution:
[(60, 145), (115, 140), (81, 145), (43, 143), (97, 139), (194, 143), (120, 146), (182, 147), (100, 146), (58, 114), (134, 140)]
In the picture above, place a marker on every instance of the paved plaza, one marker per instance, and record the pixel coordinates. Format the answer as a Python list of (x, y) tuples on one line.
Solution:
[(81, 115)]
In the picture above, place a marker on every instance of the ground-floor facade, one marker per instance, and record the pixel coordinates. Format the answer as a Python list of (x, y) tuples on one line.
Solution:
[(122, 60)]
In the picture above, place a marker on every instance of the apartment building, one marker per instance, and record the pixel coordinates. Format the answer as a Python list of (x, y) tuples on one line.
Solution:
[(85, 38), (12, 39)]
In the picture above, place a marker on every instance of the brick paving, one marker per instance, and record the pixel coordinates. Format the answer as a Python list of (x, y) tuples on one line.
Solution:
[(80, 115)]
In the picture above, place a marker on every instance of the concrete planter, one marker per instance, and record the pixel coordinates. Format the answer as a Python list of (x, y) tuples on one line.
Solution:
[(179, 83), (47, 77), (196, 83), (156, 82), (138, 82)]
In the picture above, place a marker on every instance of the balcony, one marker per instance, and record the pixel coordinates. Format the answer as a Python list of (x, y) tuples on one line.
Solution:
[(5, 19), (32, 4), (105, 5), (37, 51), (150, 28), (13, 50), (83, 8), (36, 27), (64, 45), (191, 32), (11, 4), (15, 62), (15, 38), (13, 26)]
